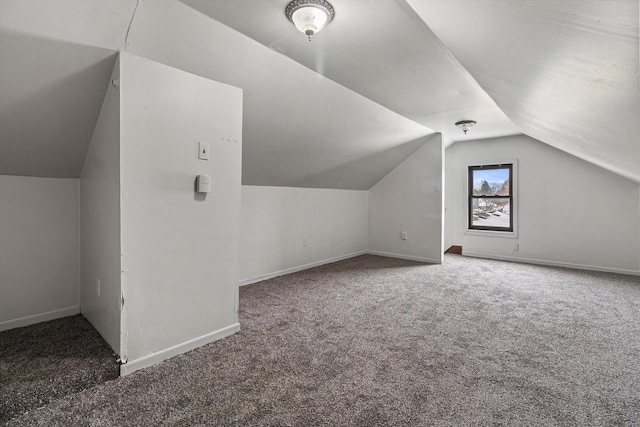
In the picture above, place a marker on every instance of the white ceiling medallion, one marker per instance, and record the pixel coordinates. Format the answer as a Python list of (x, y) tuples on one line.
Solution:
[(310, 16), (465, 125)]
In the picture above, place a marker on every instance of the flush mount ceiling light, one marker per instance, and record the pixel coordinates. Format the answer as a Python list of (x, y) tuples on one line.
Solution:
[(465, 125), (310, 16)]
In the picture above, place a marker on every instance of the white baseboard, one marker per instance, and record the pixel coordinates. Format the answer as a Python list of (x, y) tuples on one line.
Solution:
[(407, 257), (268, 276), (551, 263), (37, 318), (152, 359)]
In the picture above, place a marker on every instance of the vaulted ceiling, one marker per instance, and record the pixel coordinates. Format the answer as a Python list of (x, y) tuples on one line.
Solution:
[(343, 110), (565, 72)]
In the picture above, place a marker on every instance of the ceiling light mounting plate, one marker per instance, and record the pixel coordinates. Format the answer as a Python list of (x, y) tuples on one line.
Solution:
[(310, 16)]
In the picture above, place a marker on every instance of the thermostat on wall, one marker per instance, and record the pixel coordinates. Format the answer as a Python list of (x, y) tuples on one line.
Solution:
[(204, 183)]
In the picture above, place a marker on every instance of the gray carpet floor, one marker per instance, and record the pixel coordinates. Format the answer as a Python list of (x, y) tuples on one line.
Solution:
[(47, 361), (374, 341)]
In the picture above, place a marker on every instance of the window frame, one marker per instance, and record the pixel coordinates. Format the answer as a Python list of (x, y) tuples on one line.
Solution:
[(510, 232)]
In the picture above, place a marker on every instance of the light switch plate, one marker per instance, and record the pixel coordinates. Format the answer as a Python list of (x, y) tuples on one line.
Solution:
[(203, 150)]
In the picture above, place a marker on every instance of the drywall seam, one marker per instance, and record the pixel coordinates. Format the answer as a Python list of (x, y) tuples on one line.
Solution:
[(37, 318), (284, 272), (184, 347), (407, 257), (133, 15), (551, 263)]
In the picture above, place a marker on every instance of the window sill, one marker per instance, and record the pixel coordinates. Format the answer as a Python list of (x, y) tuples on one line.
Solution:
[(491, 233)]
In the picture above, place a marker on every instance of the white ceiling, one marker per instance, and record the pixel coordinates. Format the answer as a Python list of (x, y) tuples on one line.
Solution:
[(384, 52), (299, 128), (565, 72), (56, 59), (50, 98), (566, 75)]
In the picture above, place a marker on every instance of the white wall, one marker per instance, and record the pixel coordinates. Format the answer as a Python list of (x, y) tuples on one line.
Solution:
[(179, 248), (571, 212), (100, 222), (410, 199), (39, 249), (287, 229)]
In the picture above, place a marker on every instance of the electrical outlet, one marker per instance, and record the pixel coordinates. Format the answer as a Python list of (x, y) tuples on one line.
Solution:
[(305, 241), (516, 247), (403, 235)]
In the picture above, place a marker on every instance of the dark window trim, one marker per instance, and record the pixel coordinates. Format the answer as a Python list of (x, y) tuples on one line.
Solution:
[(472, 196)]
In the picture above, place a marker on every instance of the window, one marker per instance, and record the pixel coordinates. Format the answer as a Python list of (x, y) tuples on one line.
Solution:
[(491, 204)]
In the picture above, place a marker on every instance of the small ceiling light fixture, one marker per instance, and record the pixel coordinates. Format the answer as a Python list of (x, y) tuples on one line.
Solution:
[(465, 125), (310, 16)]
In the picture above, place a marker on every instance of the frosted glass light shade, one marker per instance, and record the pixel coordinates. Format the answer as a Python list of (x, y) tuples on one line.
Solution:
[(465, 125), (309, 16), (309, 20)]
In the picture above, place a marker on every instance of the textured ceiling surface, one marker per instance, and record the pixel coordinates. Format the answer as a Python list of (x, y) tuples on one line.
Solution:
[(565, 72), (343, 110)]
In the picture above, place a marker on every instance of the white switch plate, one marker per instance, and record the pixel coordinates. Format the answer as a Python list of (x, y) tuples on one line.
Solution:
[(203, 150), (403, 235)]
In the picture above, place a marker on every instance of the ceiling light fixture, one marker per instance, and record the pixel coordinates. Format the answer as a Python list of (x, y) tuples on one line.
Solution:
[(310, 16), (465, 125)]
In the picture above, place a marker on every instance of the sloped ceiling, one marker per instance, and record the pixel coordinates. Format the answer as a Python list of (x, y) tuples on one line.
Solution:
[(353, 103), (565, 72), (382, 51), (50, 98), (56, 59), (299, 128)]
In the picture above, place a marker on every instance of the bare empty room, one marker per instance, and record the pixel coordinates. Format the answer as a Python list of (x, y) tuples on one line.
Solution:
[(194, 232)]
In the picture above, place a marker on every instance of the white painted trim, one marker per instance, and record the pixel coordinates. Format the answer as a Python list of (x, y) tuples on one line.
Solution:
[(552, 263), (37, 318), (184, 347), (268, 276), (492, 233), (407, 257)]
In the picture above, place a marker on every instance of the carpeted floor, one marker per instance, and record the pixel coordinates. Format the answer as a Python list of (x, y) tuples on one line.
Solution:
[(44, 362), (376, 341)]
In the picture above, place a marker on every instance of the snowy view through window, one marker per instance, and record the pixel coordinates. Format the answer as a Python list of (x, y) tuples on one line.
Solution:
[(490, 209)]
